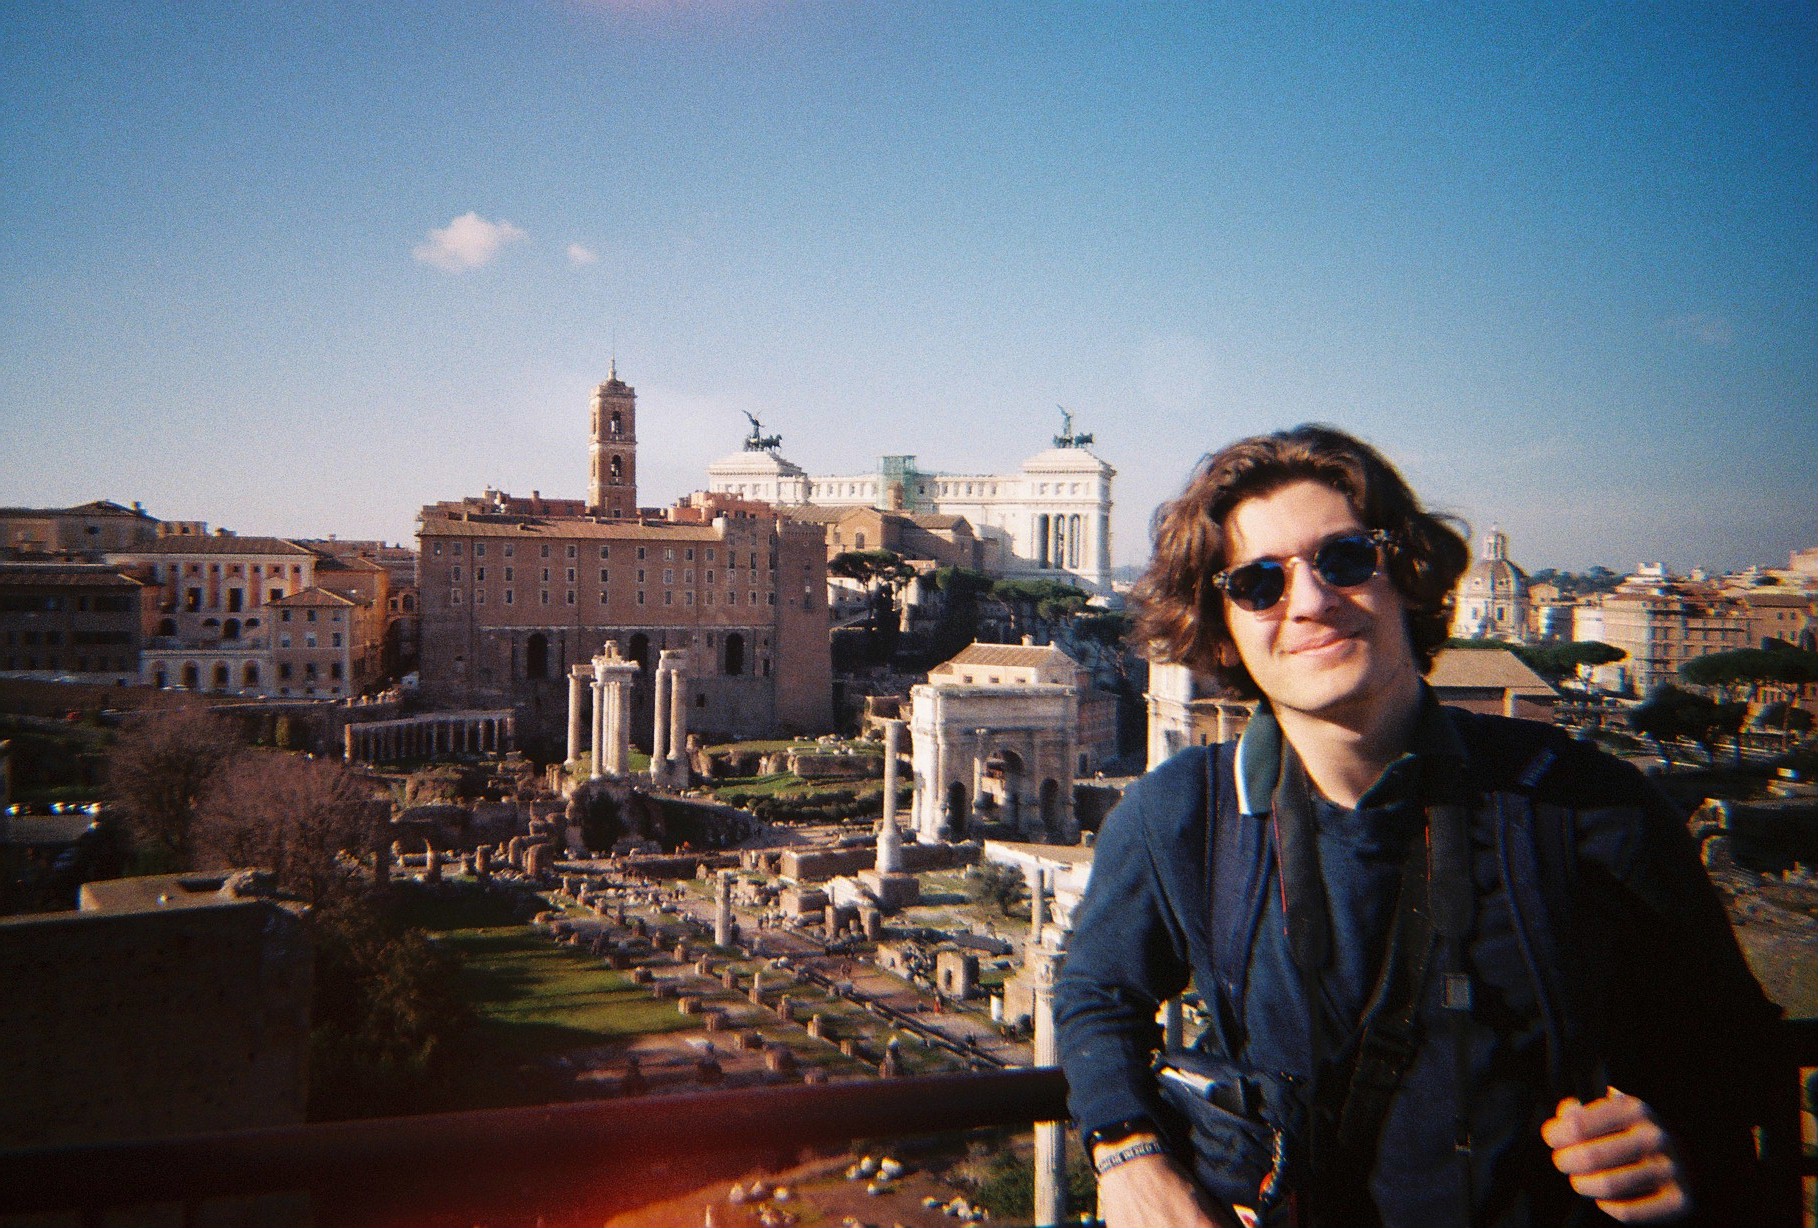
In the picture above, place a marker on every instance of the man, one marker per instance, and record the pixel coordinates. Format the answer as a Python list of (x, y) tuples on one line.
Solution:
[(1432, 945)]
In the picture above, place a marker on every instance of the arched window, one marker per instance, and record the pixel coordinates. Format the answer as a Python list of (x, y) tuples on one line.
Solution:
[(251, 675), (735, 654), (618, 423), (618, 469), (536, 656), (192, 676), (230, 630), (221, 675)]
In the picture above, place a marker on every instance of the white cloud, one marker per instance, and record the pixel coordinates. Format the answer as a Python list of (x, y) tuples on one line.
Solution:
[(466, 243), (578, 255), (1702, 327)]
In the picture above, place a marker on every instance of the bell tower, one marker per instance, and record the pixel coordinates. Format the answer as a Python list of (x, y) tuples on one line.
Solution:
[(612, 486)]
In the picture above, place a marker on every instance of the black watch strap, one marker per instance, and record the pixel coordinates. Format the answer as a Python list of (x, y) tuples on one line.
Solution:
[(1118, 1131)]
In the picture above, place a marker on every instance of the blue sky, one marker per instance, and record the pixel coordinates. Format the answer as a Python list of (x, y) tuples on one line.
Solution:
[(1559, 260)]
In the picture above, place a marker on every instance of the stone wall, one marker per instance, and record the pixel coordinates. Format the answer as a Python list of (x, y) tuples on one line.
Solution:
[(150, 1024)]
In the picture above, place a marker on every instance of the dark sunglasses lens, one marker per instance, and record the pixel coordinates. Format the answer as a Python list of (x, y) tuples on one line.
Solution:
[(1346, 562), (1256, 586)]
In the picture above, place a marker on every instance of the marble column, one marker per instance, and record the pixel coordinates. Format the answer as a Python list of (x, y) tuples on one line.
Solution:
[(678, 715), (889, 839), (659, 734), (597, 728), (1050, 1143)]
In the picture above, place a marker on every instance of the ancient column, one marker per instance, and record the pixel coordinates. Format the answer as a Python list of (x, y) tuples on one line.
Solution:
[(678, 718), (889, 839), (347, 743), (597, 728), (659, 735), (722, 909), (575, 684), (1038, 905), (1050, 1148)]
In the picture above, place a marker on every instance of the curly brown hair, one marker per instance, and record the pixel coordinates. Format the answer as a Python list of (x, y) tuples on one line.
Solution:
[(1180, 613)]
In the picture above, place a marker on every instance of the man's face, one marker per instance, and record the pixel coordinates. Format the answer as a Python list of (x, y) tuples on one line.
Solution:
[(1337, 654)]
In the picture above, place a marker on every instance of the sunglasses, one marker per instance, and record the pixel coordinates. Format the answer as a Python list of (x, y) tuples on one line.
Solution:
[(1345, 561)]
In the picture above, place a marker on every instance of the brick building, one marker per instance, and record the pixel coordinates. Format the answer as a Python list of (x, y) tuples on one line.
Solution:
[(514, 592), (73, 621)]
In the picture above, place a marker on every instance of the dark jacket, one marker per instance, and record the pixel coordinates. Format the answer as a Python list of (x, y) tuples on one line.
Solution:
[(1635, 977)]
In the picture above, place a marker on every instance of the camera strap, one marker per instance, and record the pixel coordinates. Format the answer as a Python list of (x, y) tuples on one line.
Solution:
[(1433, 909)]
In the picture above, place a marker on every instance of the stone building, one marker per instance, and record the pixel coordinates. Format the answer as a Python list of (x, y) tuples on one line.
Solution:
[(1491, 680), (84, 532), (516, 592), (1492, 596), (80, 621), (1661, 623), (1051, 519), (207, 616), (1185, 709), (995, 739)]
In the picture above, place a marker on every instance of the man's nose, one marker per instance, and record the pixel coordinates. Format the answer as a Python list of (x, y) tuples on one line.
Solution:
[(1308, 594)]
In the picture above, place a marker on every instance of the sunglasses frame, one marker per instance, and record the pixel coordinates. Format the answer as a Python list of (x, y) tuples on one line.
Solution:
[(1378, 539)]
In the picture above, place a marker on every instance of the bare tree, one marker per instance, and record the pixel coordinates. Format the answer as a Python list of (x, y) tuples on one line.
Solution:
[(158, 770), (290, 815)]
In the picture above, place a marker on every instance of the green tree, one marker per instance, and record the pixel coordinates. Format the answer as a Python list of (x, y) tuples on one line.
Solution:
[(1037, 605), (1742, 675), (159, 769), (994, 885), (884, 574), (1671, 715), (962, 589), (385, 1013), (1561, 660)]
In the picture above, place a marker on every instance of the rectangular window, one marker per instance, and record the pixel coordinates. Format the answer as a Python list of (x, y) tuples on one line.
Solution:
[(455, 574), (507, 596), (732, 597), (605, 552), (543, 551), (509, 549), (546, 575), (569, 552), (710, 554), (668, 575), (602, 596), (309, 641), (479, 575), (640, 575), (454, 548), (640, 552), (669, 554), (479, 550), (479, 597), (435, 548), (604, 577), (668, 598), (688, 554), (571, 575), (688, 597), (571, 596), (688, 575), (640, 596), (545, 596), (709, 577), (335, 640), (508, 575), (334, 670)]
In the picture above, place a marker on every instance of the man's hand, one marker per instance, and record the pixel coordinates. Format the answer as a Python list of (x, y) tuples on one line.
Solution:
[(1616, 1153), (1152, 1190)]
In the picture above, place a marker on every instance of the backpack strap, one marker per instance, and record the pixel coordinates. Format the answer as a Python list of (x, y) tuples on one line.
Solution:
[(1239, 859)]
